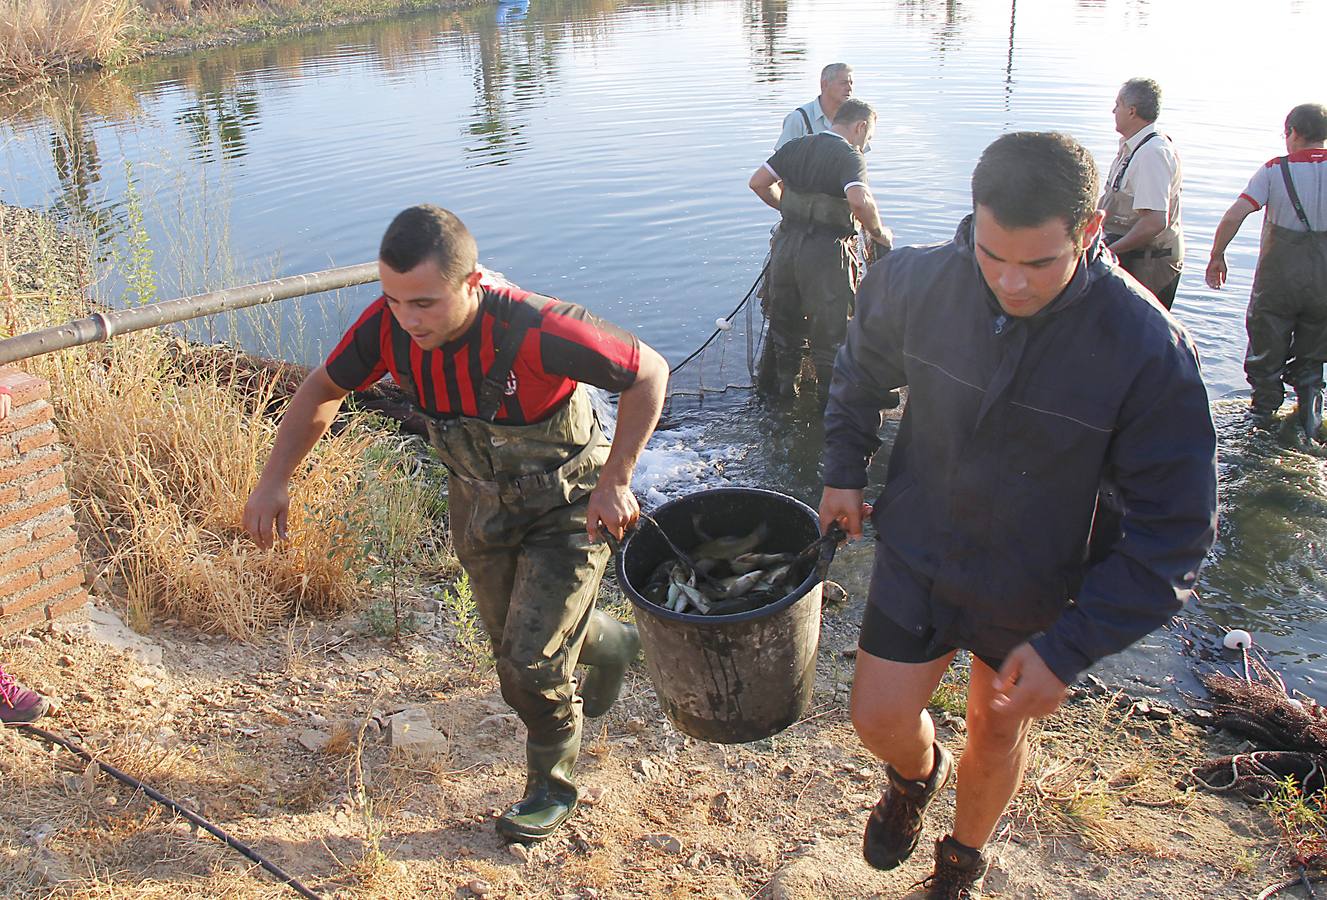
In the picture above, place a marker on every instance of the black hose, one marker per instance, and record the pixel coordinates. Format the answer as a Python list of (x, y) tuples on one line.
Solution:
[(242, 848), (728, 318)]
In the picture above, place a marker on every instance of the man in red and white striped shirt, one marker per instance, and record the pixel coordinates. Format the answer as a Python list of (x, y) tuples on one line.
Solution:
[(532, 481), (1287, 317)]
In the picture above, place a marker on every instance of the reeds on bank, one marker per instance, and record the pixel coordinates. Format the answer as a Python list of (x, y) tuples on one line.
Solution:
[(43, 37)]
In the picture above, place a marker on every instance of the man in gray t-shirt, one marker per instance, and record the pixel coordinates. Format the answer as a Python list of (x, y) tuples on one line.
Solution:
[(1287, 317)]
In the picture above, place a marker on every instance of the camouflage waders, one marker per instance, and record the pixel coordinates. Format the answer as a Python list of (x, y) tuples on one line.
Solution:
[(517, 498), (813, 275), (1287, 320)]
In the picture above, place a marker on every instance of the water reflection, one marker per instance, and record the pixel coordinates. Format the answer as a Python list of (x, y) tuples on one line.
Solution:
[(774, 56)]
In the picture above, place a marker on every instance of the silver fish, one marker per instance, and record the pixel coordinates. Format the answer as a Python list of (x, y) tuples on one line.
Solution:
[(732, 546), (749, 562)]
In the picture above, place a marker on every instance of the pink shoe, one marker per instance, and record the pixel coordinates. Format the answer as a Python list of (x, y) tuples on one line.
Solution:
[(19, 704)]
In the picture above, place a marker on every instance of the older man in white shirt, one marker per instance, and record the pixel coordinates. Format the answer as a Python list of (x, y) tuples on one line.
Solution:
[(818, 115), (1142, 195)]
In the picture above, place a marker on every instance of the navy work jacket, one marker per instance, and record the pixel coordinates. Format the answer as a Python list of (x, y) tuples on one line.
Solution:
[(1013, 431)]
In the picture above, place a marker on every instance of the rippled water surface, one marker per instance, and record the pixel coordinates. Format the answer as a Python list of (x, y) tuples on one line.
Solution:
[(599, 149)]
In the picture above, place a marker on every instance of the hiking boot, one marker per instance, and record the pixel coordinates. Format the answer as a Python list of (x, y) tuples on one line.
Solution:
[(19, 705), (958, 872), (610, 646), (550, 795), (895, 825)]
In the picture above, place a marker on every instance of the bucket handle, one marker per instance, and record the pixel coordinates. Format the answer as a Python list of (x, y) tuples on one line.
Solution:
[(829, 545)]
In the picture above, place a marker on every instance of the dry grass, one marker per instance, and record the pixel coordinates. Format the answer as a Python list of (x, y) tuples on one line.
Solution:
[(42, 37), (164, 446)]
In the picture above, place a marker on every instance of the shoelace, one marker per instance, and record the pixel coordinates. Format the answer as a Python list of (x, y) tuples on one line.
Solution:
[(8, 688)]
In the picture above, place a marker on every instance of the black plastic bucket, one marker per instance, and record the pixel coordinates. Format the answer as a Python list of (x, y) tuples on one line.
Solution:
[(736, 678)]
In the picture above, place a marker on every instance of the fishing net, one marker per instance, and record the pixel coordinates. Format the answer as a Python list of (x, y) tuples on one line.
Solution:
[(1291, 735), (726, 359)]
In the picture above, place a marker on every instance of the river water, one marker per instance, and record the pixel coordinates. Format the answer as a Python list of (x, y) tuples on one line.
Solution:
[(599, 150)]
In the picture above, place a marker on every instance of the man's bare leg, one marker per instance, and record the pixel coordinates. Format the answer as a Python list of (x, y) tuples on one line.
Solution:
[(991, 768), (889, 711)]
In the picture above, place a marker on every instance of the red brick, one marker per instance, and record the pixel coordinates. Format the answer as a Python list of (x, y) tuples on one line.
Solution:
[(64, 520), (17, 622), (31, 509), (35, 552), (43, 438), (35, 462), (61, 564), (8, 494), (41, 593), (44, 483), (20, 582), (71, 602), (24, 387), (21, 417), (12, 538)]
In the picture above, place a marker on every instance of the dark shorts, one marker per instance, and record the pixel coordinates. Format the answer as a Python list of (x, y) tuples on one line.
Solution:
[(883, 637)]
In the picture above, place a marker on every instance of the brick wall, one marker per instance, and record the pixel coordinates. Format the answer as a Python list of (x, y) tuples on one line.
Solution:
[(41, 574)]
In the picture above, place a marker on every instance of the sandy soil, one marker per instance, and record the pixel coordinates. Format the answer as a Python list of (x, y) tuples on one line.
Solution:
[(216, 725)]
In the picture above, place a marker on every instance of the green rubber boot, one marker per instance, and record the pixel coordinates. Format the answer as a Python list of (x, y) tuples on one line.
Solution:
[(550, 795), (610, 646)]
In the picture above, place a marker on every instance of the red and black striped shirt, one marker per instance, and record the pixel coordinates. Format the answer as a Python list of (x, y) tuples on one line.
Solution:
[(564, 345)]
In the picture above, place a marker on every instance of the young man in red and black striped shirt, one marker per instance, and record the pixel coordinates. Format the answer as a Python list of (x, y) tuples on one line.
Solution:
[(498, 373)]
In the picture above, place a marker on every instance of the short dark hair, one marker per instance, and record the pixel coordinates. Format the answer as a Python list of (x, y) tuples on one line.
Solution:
[(428, 231), (1028, 178), (853, 111), (1144, 95), (1310, 120)]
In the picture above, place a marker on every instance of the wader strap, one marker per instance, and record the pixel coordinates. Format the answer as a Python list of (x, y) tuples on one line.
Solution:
[(539, 483), (1124, 166), (807, 120), (494, 386), (1294, 194)]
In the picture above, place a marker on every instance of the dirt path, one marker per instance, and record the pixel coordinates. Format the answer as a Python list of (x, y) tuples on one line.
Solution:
[(218, 726)]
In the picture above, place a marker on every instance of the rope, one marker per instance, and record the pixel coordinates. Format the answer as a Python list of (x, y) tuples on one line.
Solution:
[(242, 848), (728, 318)]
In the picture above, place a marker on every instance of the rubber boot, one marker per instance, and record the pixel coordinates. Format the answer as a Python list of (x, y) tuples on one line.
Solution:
[(1309, 413), (550, 794), (824, 376), (767, 372), (789, 367), (610, 646)]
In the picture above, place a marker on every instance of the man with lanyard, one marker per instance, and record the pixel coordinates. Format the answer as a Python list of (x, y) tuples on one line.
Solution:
[(1142, 196), (1039, 380), (532, 482), (1287, 317), (817, 116), (818, 185)]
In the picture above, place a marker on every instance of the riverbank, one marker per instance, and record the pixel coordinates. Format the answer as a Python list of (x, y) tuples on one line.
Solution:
[(43, 38), (281, 737)]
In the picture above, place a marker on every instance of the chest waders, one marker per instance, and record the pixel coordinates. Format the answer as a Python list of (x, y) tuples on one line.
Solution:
[(517, 497), (1156, 266), (813, 275), (1287, 317)]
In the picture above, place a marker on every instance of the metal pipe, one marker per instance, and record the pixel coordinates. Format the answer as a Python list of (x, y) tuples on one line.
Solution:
[(105, 325), (193, 817)]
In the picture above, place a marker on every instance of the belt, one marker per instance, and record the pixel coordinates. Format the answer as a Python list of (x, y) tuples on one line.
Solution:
[(1143, 253), (815, 229)]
